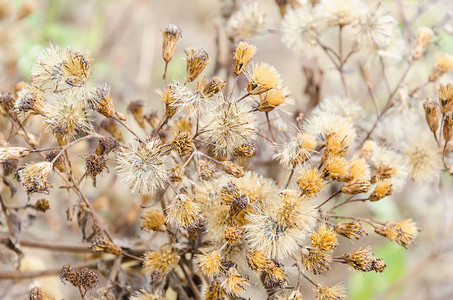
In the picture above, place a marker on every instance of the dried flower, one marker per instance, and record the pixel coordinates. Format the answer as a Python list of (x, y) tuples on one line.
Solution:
[(424, 159), (447, 128), (158, 263), (136, 108), (34, 176), (143, 166), (274, 276), (422, 40), (7, 153), (197, 59), (256, 260), (378, 26), (443, 63), (262, 78), (297, 151), (351, 230), (336, 292), (145, 295), (206, 170), (382, 189), (324, 238), (107, 145), (234, 283), (432, 114), (176, 173), (42, 205), (209, 264), (316, 260), (60, 163), (336, 167), (215, 291), (183, 211), (402, 232), (247, 21), (446, 97), (183, 143), (361, 259), (245, 150), (170, 35), (232, 169), (368, 148), (167, 96), (104, 245), (153, 220), (310, 182), (355, 187), (101, 101), (84, 279), (38, 294), (340, 12), (213, 86), (30, 99), (242, 56), (270, 100), (95, 165)]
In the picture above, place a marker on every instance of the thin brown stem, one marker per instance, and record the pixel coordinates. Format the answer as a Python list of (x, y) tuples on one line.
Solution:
[(193, 287), (327, 200)]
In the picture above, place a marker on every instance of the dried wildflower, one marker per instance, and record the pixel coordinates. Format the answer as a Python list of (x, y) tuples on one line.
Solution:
[(256, 260), (297, 151), (206, 170), (262, 78), (83, 279), (324, 238), (101, 101), (447, 128), (7, 102), (234, 283), (167, 96), (300, 29), (355, 187), (336, 292), (153, 220), (432, 114), (143, 166), (38, 294), (359, 169), (232, 169), (230, 126), (270, 100), (361, 259), (424, 159), (368, 148), (176, 173), (310, 182), (158, 263), (30, 99), (209, 264), (107, 145), (274, 276), (317, 261), (58, 69), (242, 56), (136, 108), (379, 265), (336, 167), (390, 165), (215, 291), (351, 230), (197, 60), (67, 114), (443, 63), (422, 40), (170, 35), (295, 295), (95, 165), (446, 97), (104, 245), (378, 26), (183, 143), (34, 176), (402, 232), (232, 235), (111, 127), (382, 189), (187, 102), (213, 86), (60, 163), (7, 153), (42, 205), (341, 12), (245, 150), (183, 211), (247, 21)]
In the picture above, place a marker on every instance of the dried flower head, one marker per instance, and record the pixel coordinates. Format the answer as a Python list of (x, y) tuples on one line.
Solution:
[(262, 78), (60, 163), (42, 205), (170, 36), (336, 167), (95, 165), (30, 99), (247, 21), (274, 276), (442, 64), (7, 153), (187, 102), (355, 187), (213, 86), (402, 232), (242, 56), (143, 166), (232, 169), (197, 60), (389, 165), (136, 108), (421, 43), (336, 292), (176, 173), (215, 291), (324, 238), (361, 259), (424, 159), (34, 176), (270, 100), (104, 245), (297, 151), (38, 294), (158, 263), (209, 264), (310, 182), (234, 283), (378, 26), (183, 211), (153, 220), (183, 143), (245, 150), (446, 97), (447, 128), (167, 96), (340, 12), (368, 148), (382, 189), (351, 230), (256, 260), (107, 145), (84, 279), (316, 260), (58, 69), (432, 114), (101, 101), (206, 170)]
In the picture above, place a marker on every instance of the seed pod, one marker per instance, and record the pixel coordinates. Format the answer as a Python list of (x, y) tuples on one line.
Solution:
[(448, 126), (232, 169), (422, 40), (171, 35), (355, 187), (101, 244), (242, 57), (432, 114), (197, 60)]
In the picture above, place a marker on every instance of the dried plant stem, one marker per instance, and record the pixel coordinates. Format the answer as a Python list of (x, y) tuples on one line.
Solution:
[(161, 124), (348, 201), (327, 200), (243, 97), (165, 74), (267, 139), (342, 62), (193, 287), (366, 220), (8, 223), (128, 128), (63, 150), (289, 178), (270, 127)]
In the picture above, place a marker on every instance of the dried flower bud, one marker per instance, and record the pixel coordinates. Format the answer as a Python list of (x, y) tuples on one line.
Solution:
[(153, 220), (7, 153), (95, 165), (209, 264), (107, 145), (274, 277), (34, 176), (111, 127), (351, 230), (256, 260), (170, 35), (213, 86), (379, 265), (158, 263), (367, 149), (336, 167), (317, 261), (245, 150), (183, 211), (232, 235), (310, 182), (432, 114), (206, 170), (355, 187), (446, 97), (382, 173), (443, 63), (103, 245), (136, 108), (448, 126), (7, 104), (234, 283), (270, 100), (84, 279), (42, 205), (176, 173), (30, 99), (168, 97), (215, 291), (183, 143), (101, 101), (382, 189), (422, 40), (361, 259), (262, 78), (324, 238), (232, 169), (402, 232), (197, 60), (335, 292), (38, 294), (242, 56)]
